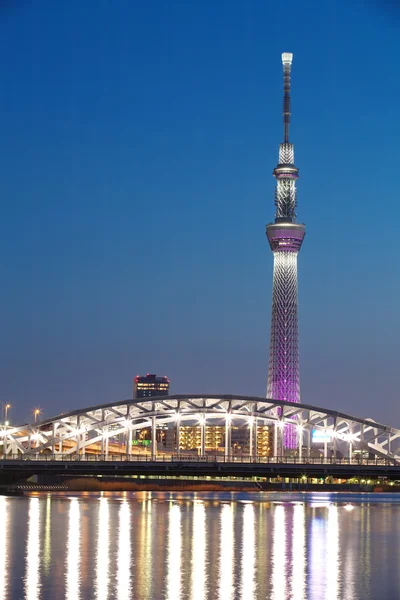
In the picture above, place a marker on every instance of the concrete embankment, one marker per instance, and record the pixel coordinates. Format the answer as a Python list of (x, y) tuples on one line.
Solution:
[(151, 485)]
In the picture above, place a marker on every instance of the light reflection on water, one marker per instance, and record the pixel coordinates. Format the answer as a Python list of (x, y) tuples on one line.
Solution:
[(332, 554), (73, 551), (102, 554), (32, 577), (174, 553), (124, 552), (198, 546), (226, 553), (279, 555), (298, 553), (3, 538), (248, 552)]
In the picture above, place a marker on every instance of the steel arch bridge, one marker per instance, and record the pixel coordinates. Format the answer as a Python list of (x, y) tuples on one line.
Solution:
[(91, 428)]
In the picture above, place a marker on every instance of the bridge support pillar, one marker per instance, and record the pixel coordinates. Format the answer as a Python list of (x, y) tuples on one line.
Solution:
[(276, 428), (178, 437), (282, 438), (325, 441), (153, 437), (255, 442), (203, 436), (84, 440), (228, 435), (78, 436), (251, 437), (300, 436), (128, 445), (53, 443), (309, 442), (103, 430)]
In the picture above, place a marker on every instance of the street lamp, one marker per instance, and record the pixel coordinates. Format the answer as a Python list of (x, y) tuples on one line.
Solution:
[(6, 408), (36, 413)]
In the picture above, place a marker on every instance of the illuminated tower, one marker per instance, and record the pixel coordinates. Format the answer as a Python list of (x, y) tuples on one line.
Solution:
[(285, 237)]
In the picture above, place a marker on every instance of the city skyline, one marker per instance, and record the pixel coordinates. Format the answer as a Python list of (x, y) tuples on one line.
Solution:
[(136, 183)]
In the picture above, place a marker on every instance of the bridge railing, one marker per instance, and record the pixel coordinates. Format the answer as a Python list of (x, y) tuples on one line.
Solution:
[(170, 458)]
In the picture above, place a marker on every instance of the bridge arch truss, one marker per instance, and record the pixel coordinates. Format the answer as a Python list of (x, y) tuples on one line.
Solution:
[(75, 432)]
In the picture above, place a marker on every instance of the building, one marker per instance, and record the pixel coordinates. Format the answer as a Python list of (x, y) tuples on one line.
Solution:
[(190, 439), (285, 237), (148, 386)]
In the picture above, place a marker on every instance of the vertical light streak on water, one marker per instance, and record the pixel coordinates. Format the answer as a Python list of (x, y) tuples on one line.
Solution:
[(199, 548), (366, 537), (73, 577), (279, 574), (317, 559), (143, 552), (102, 556), (47, 536), (352, 558), (248, 590), (332, 555), (4, 546), (124, 587), (32, 577), (226, 553), (148, 552), (174, 552), (298, 553)]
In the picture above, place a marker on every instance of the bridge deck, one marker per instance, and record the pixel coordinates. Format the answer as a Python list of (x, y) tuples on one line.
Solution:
[(270, 467)]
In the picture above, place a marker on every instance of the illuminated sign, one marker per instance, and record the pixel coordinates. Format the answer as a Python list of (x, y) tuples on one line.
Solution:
[(320, 436)]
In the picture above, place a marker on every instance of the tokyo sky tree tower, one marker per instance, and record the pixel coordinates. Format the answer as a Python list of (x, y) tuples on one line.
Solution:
[(285, 237)]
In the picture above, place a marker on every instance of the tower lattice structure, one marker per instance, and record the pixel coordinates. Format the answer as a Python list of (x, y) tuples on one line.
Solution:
[(285, 237)]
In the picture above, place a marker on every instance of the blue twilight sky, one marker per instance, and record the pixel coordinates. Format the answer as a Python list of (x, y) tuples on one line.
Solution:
[(137, 143)]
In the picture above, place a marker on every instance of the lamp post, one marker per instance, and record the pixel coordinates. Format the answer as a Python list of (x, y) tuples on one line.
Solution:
[(6, 409), (36, 413)]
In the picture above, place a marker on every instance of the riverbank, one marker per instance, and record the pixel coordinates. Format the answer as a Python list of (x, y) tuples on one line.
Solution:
[(90, 484)]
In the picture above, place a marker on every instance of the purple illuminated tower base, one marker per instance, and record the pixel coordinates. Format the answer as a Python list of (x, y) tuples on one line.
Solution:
[(285, 237)]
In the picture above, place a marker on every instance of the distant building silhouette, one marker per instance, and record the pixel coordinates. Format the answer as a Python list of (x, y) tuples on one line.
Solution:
[(148, 386)]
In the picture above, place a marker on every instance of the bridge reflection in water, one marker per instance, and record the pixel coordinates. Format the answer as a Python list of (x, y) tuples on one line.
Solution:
[(174, 546)]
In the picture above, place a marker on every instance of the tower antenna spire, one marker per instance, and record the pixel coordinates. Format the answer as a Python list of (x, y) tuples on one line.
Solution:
[(287, 58)]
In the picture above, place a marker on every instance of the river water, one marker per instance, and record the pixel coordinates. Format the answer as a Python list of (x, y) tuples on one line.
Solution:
[(179, 546)]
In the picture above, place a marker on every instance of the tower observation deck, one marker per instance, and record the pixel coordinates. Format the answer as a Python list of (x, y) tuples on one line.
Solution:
[(285, 238)]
